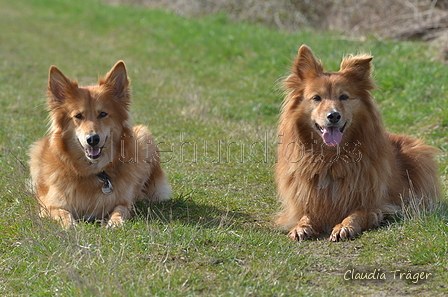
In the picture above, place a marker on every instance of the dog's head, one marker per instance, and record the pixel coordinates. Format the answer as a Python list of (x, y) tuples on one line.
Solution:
[(328, 103), (87, 117)]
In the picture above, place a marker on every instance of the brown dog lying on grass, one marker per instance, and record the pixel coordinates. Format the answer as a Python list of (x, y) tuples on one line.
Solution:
[(338, 170), (93, 165)]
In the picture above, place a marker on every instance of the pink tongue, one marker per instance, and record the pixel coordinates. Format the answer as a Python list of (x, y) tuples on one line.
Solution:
[(332, 136), (94, 152)]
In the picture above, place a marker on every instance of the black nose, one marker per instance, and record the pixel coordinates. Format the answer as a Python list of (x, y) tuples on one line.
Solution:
[(333, 117), (93, 139)]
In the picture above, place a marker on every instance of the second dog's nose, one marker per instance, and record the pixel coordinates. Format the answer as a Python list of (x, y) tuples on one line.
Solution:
[(93, 139), (333, 117)]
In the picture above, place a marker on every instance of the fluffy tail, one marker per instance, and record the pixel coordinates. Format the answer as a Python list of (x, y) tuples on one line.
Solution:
[(419, 170)]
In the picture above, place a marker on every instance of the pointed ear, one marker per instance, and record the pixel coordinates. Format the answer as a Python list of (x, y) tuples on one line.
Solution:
[(117, 80), (59, 86), (306, 65), (357, 66)]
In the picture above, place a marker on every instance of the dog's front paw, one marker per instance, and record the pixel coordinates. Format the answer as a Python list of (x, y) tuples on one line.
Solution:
[(63, 216), (115, 222), (69, 224), (119, 215), (341, 233), (300, 233)]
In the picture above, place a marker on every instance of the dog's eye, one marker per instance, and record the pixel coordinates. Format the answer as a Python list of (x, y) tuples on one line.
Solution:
[(343, 97), (316, 98), (79, 116), (102, 114)]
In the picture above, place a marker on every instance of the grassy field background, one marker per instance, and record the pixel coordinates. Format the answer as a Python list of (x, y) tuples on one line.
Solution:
[(208, 89)]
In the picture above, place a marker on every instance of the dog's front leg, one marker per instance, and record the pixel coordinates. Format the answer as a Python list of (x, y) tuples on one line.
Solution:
[(355, 223), (118, 216), (63, 216)]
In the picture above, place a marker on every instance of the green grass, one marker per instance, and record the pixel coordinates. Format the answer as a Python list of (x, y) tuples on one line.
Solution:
[(202, 82)]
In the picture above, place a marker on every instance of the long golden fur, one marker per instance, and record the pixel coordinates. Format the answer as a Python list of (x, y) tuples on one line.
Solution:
[(338, 170), (91, 148)]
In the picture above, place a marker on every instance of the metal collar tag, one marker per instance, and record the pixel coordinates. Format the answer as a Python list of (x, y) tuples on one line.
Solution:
[(107, 187)]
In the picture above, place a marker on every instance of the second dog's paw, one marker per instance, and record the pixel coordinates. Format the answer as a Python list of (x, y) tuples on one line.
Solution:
[(341, 233), (300, 233)]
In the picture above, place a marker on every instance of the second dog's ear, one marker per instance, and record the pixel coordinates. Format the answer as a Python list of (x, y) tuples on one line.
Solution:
[(117, 79), (306, 65), (59, 86), (359, 68), (357, 65)]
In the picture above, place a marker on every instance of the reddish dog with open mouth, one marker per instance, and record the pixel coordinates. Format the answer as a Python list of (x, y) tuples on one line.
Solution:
[(338, 170), (93, 164)]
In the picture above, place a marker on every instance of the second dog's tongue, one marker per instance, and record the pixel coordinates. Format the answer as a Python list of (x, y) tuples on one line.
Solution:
[(332, 136)]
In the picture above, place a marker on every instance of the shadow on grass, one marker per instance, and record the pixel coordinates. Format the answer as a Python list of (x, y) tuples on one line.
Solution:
[(186, 211)]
